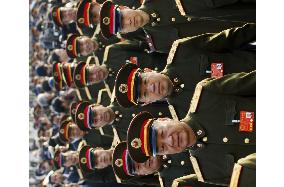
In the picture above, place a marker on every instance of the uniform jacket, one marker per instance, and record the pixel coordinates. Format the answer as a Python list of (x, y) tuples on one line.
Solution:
[(214, 105)]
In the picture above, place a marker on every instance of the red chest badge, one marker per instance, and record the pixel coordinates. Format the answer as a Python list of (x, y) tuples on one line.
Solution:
[(246, 121), (133, 60), (217, 70)]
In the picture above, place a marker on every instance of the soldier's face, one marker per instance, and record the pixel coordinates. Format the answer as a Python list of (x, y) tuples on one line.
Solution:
[(103, 158), (97, 74), (87, 45), (172, 136), (102, 115), (96, 12), (72, 158), (68, 15), (152, 165), (131, 20), (75, 132), (154, 86), (57, 177)]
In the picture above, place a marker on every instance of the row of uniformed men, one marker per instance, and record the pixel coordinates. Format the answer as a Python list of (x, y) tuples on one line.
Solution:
[(240, 88), (190, 60)]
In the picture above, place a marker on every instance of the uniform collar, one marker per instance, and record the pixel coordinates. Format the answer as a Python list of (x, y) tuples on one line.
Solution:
[(178, 84)]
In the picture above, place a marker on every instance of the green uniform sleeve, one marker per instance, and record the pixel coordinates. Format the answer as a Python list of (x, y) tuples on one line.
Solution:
[(229, 39), (190, 180), (239, 84)]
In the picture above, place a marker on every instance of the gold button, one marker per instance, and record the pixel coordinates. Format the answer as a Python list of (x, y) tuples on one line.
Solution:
[(133, 115), (120, 115), (225, 139), (182, 163), (169, 161), (154, 15), (160, 113), (133, 7), (246, 140), (116, 112), (182, 85), (176, 79), (188, 19), (204, 139), (165, 166), (153, 24), (158, 19), (164, 156), (173, 19), (156, 69)]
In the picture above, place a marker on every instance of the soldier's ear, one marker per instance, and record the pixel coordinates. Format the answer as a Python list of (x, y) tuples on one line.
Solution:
[(147, 70)]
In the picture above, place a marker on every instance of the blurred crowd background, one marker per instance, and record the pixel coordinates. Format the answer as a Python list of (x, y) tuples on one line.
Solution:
[(46, 105)]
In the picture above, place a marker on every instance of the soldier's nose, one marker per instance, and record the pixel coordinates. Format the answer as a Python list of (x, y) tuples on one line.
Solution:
[(169, 140)]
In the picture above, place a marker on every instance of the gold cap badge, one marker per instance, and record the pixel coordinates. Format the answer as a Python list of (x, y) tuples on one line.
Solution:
[(106, 20), (123, 88), (70, 47), (81, 116), (81, 20), (83, 160), (118, 162), (136, 143)]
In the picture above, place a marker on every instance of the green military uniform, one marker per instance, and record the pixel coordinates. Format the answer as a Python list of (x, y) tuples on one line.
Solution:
[(190, 59), (222, 117), (244, 172), (95, 139), (192, 181), (167, 24), (130, 51)]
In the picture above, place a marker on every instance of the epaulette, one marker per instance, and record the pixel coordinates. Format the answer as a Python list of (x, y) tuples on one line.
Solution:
[(196, 168), (160, 180), (116, 139), (106, 53), (173, 50), (180, 7), (196, 96), (81, 144), (172, 111), (235, 175)]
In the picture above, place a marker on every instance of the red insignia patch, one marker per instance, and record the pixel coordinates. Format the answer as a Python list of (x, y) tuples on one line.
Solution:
[(217, 70), (246, 121)]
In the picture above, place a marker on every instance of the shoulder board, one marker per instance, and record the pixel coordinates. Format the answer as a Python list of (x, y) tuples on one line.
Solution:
[(173, 112), (196, 96), (81, 144), (235, 175), (80, 173), (180, 7), (112, 96), (88, 93), (116, 139), (106, 53), (196, 168), (101, 131), (79, 30), (107, 89), (173, 50), (160, 180), (78, 94), (97, 31)]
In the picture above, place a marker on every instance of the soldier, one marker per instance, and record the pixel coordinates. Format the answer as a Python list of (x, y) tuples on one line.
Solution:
[(93, 116), (80, 76), (63, 15), (220, 123), (80, 47), (70, 132), (65, 159), (115, 56), (190, 61), (163, 22), (95, 164), (167, 168)]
